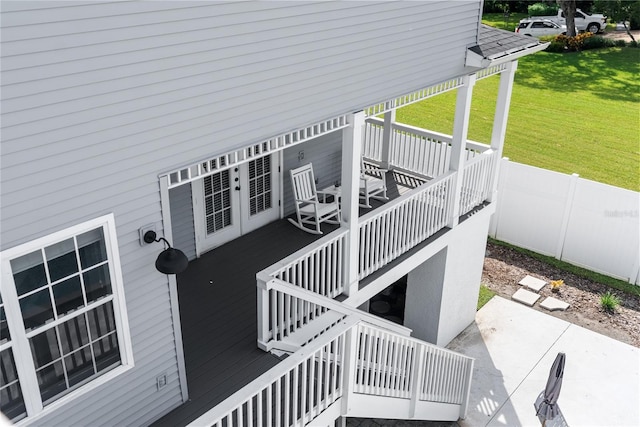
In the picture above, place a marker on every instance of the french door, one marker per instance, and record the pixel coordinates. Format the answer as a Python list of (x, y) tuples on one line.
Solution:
[(235, 201)]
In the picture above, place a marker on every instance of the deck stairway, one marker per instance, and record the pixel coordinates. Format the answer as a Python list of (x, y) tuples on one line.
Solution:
[(344, 362)]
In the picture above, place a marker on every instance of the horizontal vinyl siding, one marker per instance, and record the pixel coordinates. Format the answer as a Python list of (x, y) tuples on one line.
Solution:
[(324, 153), (182, 226), (98, 99)]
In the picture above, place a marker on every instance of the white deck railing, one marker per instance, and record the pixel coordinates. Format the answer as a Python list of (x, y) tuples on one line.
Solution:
[(403, 223), (384, 234), (289, 308), (356, 356), (316, 267), (403, 367), (412, 149), (293, 392), (476, 181)]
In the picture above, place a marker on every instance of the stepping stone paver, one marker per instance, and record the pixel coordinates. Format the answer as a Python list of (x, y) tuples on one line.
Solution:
[(553, 304), (525, 297), (532, 283)]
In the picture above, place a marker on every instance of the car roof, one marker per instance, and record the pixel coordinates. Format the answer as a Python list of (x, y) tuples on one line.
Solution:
[(536, 20)]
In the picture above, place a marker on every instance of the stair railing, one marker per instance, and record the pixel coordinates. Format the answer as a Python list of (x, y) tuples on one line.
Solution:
[(349, 365)]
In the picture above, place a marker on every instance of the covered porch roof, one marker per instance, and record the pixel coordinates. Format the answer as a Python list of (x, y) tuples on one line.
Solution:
[(497, 46)]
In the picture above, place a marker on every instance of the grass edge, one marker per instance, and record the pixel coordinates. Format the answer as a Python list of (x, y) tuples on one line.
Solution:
[(603, 279), (484, 296)]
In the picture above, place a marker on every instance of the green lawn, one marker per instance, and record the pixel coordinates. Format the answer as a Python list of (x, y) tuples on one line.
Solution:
[(484, 296), (498, 20), (572, 113)]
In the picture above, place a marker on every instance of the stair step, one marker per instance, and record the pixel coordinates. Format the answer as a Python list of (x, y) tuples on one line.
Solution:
[(303, 335)]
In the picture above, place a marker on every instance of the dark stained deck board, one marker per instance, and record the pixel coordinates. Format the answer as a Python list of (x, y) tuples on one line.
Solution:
[(219, 324)]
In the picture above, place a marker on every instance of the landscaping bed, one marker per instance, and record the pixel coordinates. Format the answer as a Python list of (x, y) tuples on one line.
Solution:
[(504, 267)]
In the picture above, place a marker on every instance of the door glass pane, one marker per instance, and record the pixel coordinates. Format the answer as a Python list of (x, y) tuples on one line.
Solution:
[(28, 272), (217, 198), (259, 185), (36, 309), (92, 248), (61, 259), (11, 399)]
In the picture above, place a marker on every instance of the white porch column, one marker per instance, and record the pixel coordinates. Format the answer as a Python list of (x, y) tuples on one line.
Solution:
[(459, 142), (351, 152), (389, 121), (500, 120)]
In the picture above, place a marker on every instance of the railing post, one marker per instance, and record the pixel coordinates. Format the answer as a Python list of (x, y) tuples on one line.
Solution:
[(387, 135), (416, 383), (349, 367), (263, 312), (458, 143), (351, 152), (500, 121), (467, 391)]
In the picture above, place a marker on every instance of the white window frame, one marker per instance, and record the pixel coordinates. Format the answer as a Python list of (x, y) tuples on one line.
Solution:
[(19, 341)]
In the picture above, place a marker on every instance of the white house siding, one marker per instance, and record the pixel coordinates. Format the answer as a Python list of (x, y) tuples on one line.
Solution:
[(98, 99), (324, 153), (182, 226)]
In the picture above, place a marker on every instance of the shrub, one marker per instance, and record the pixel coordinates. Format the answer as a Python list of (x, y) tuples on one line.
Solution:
[(620, 43), (556, 285), (542, 9), (573, 43), (609, 302), (596, 42), (633, 43)]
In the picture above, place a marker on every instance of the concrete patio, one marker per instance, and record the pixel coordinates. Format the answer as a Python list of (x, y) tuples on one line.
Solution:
[(514, 347)]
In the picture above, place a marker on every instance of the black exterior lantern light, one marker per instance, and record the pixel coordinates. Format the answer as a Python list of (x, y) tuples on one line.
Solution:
[(170, 260)]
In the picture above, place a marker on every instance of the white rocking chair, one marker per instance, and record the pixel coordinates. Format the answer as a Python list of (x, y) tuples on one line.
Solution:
[(309, 209), (373, 184)]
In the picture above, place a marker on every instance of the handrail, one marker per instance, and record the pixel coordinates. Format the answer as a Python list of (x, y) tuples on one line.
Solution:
[(406, 196), (331, 304), (327, 349), (325, 255), (353, 358), (417, 150), (415, 130), (476, 180), (403, 223), (417, 370)]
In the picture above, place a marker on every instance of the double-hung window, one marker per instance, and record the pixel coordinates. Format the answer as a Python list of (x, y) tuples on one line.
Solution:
[(63, 322)]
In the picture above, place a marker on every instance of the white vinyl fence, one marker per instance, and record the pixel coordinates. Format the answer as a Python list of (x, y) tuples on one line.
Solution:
[(583, 222)]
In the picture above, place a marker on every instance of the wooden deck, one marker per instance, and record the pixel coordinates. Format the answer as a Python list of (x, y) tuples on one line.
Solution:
[(217, 297)]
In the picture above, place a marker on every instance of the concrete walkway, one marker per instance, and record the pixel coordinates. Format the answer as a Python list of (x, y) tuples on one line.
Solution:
[(514, 347)]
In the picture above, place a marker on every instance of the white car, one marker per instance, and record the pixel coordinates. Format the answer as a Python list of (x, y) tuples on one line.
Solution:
[(539, 28)]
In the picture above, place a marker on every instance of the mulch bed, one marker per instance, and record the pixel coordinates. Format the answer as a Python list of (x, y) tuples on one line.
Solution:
[(505, 267)]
